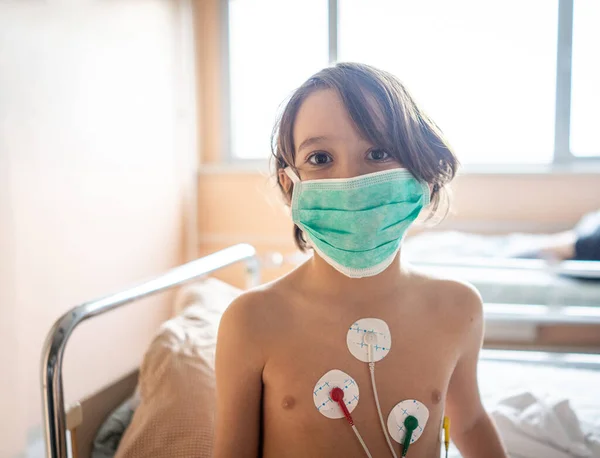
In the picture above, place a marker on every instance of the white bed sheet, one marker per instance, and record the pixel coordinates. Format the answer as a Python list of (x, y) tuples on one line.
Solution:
[(499, 285), (499, 379)]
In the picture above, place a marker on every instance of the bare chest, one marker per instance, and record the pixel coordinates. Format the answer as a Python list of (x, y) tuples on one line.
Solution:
[(417, 366)]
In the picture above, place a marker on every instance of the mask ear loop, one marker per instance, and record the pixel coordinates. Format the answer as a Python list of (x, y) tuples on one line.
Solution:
[(370, 339), (291, 174)]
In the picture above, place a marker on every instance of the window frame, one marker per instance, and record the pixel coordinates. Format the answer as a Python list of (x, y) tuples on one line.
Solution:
[(563, 160)]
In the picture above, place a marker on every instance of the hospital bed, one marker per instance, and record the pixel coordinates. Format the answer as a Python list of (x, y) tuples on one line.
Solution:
[(497, 266), (87, 415), (70, 431)]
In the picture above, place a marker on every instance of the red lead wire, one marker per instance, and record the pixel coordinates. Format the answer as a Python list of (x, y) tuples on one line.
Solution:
[(337, 395)]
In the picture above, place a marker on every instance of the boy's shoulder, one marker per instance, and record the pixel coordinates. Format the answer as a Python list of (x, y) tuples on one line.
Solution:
[(453, 298), (260, 309)]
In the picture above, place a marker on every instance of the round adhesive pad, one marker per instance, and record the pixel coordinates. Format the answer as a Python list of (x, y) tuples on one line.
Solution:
[(379, 332), (399, 413), (321, 393)]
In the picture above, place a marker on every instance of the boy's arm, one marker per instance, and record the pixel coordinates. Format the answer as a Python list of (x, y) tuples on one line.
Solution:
[(238, 366), (472, 430)]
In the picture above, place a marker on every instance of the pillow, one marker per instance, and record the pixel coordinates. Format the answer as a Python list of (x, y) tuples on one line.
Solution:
[(175, 417)]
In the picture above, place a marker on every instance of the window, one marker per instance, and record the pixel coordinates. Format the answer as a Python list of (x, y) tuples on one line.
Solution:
[(495, 76), (585, 98), (482, 73), (274, 45)]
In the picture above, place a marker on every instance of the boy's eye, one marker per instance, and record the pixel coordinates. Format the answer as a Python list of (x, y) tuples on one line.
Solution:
[(378, 155), (319, 158)]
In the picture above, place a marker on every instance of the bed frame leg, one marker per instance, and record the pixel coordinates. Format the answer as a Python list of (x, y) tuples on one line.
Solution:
[(74, 419)]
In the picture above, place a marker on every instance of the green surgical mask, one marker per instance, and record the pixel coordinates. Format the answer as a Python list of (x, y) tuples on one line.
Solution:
[(357, 224)]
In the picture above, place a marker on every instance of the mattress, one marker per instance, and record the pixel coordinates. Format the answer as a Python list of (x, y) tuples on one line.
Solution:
[(506, 279)]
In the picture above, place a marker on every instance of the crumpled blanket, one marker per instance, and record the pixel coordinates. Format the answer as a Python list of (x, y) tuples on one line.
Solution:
[(533, 427)]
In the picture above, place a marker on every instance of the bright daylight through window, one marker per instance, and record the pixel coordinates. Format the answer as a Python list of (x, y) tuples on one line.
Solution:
[(486, 72)]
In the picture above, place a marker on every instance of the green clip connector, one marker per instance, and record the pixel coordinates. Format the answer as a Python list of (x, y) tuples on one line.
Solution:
[(411, 423)]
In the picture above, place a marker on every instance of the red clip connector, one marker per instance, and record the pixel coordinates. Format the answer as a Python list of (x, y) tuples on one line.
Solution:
[(337, 395)]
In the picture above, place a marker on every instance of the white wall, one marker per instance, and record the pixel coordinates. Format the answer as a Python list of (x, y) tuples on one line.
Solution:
[(96, 180), (13, 424)]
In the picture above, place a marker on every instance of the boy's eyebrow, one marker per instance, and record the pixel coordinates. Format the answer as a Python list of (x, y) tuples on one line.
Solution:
[(311, 141)]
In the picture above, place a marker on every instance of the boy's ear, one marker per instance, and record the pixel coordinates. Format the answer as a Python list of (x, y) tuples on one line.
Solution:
[(286, 184)]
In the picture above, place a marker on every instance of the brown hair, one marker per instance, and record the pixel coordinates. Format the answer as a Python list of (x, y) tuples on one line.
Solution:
[(407, 133)]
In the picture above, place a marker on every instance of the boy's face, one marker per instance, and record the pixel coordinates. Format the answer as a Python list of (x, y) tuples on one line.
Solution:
[(328, 145)]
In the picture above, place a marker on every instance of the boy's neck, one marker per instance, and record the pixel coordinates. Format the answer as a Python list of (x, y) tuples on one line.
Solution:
[(325, 280)]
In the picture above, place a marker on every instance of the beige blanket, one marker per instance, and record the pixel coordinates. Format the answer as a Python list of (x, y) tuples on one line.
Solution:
[(175, 418)]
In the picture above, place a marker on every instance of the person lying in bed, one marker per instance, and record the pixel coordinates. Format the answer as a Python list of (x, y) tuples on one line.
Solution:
[(582, 243), (357, 161)]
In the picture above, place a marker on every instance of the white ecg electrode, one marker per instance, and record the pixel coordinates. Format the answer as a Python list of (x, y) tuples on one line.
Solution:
[(395, 423), (321, 393), (369, 333)]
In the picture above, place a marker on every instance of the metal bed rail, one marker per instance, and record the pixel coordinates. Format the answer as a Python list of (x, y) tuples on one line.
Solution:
[(524, 313), (541, 314), (581, 269), (570, 360), (55, 434)]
